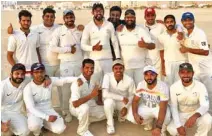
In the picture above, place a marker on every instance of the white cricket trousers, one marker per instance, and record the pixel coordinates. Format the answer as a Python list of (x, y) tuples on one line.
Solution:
[(87, 114), (68, 68), (18, 123), (101, 68), (172, 69), (35, 123), (109, 106), (136, 74), (203, 124), (149, 114)]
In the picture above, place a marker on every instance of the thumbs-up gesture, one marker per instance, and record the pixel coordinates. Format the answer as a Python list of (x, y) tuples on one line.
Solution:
[(97, 47), (73, 49), (142, 43), (10, 29)]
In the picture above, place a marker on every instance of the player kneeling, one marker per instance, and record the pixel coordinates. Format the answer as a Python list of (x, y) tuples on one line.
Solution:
[(151, 102), (189, 104), (38, 102)]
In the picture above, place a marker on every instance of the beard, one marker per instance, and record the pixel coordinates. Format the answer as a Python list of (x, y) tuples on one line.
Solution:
[(150, 82), (130, 26), (70, 23), (98, 17), (17, 80), (171, 27), (186, 79)]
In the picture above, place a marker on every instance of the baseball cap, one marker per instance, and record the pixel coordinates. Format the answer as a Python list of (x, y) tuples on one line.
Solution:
[(149, 11), (130, 11), (186, 66), (18, 66), (118, 61), (37, 66), (187, 15), (68, 11), (150, 68)]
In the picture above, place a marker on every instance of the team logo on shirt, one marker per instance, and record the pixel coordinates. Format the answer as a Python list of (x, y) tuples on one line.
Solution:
[(203, 43)]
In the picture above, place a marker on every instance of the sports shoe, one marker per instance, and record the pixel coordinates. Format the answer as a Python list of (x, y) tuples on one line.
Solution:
[(110, 129), (148, 127), (68, 118), (87, 133)]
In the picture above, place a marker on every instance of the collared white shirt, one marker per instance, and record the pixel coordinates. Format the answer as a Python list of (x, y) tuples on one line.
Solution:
[(92, 34), (198, 40), (171, 46), (11, 96), (63, 38), (24, 48), (45, 35), (193, 98), (155, 30), (151, 98), (118, 90), (38, 98), (85, 89), (134, 56)]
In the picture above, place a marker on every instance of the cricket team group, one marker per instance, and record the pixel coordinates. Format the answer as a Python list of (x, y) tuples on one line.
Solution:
[(158, 74)]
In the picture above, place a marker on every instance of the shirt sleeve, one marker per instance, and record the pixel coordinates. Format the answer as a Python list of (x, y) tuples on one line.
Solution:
[(160, 40), (174, 107), (75, 92), (30, 105), (204, 101), (38, 41), (131, 91), (106, 90), (114, 41), (55, 40), (11, 44), (60, 81), (85, 41), (145, 35)]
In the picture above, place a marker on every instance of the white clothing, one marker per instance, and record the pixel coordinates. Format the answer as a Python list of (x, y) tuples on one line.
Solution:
[(114, 92), (11, 105), (38, 104), (89, 111), (24, 48), (198, 40), (154, 54), (203, 124), (45, 35), (62, 40), (191, 99), (134, 56), (35, 123), (152, 97), (92, 34), (171, 45), (136, 74), (118, 90), (37, 97), (172, 56)]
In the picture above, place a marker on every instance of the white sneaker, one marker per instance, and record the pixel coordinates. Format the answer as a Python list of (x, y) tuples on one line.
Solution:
[(148, 127), (87, 133), (68, 118), (110, 129), (64, 113)]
